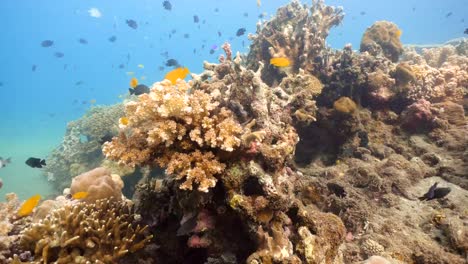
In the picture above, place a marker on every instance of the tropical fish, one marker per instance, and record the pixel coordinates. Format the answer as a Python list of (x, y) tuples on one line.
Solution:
[(132, 23), (196, 19), (29, 205), (259, 3), (59, 54), (83, 41), (186, 35), (398, 33), (167, 5), (4, 162), (92, 101), (1, 183), (130, 73), (280, 62), (80, 195), (141, 66), (47, 43), (172, 62), (112, 38), (34, 67), (240, 32), (123, 121), (35, 162), (94, 12), (139, 89), (174, 75), (143, 78), (133, 82)]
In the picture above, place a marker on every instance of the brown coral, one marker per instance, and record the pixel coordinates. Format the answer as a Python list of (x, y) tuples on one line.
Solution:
[(383, 37), (100, 232)]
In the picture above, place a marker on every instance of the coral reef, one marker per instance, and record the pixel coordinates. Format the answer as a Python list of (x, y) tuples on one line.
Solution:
[(100, 232), (80, 149), (383, 37)]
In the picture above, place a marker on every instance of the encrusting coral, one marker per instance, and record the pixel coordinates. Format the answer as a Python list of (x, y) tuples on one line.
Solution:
[(383, 37), (100, 232)]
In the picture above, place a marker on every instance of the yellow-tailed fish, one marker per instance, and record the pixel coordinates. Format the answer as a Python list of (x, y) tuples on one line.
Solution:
[(179, 73), (123, 121), (133, 82), (29, 205), (130, 73), (141, 66), (280, 62), (80, 195)]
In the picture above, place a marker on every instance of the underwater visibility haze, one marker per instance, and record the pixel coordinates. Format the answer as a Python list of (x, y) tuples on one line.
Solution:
[(249, 131)]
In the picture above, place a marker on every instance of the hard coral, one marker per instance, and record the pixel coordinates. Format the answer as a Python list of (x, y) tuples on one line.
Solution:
[(296, 32), (100, 232), (177, 127), (383, 37), (99, 183)]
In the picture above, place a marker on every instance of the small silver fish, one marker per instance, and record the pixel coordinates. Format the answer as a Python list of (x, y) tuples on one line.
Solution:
[(4, 162)]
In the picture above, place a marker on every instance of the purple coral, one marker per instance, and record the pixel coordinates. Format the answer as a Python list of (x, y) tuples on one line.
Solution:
[(417, 116)]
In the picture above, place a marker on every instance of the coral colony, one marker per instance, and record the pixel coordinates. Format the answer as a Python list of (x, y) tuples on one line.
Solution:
[(254, 163)]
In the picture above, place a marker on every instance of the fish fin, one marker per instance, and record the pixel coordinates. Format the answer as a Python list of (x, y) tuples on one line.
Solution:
[(131, 91), (43, 162), (8, 160)]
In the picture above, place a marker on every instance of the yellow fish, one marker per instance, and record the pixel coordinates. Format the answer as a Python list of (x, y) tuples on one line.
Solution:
[(174, 75), (123, 120), (130, 73), (398, 33), (92, 101), (133, 82), (80, 195), (280, 62), (141, 66), (29, 205)]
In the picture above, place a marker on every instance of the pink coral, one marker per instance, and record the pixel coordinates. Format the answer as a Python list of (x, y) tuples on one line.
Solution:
[(417, 116)]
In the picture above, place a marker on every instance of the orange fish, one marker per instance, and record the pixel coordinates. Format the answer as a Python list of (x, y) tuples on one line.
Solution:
[(29, 205), (174, 75), (398, 33), (280, 62), (80, 195), (133, 82), (123, 120)]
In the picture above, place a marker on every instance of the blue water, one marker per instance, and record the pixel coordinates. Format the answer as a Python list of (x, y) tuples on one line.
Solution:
[(35, 106)]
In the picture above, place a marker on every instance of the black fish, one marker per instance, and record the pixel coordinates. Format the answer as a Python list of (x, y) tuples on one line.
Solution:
[(194, 51), (435, 193), (121, 66), (186, 35), (79, 83), (35, 163), (240, 32), (262, 15), (34, 67), (448, 14), (219, 33), (364, 139), (466, 31), (212, 51), (246, 14), (167, 5), (47, 43), (83, 41), (172, 62), (59, 54), (132, 23), (173, 31), (338, 190), (105, 138), (112, 38), (196, 19), (139, 89), (362, 13)]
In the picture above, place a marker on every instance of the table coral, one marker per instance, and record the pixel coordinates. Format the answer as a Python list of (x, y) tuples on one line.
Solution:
[(100, 232)]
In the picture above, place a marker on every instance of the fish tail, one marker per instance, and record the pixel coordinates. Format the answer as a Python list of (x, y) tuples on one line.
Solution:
[(43, 162), (131, 91)]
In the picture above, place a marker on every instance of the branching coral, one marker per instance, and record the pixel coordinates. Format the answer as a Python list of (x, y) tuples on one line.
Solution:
[(100, 232), (177, 128), (296, 32)]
